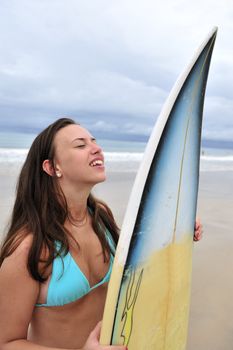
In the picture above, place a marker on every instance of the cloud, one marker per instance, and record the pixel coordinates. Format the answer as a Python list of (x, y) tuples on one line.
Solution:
[(116, 61), (218, 118)]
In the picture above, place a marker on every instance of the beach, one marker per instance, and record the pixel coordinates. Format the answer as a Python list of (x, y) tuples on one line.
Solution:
[(211, 312)]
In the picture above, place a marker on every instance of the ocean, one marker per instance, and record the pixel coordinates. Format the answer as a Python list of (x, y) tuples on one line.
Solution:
[(122, 156)]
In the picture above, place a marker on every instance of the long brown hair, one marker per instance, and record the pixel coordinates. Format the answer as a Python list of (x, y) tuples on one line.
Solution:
[(41, 209)]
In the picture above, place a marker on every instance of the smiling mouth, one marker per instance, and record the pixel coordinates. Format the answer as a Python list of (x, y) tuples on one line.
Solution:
[(97, 162)]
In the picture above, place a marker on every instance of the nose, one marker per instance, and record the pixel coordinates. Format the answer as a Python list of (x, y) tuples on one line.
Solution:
[(96, 148)]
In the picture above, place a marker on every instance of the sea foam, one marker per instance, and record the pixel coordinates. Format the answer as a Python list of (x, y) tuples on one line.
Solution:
[(123, 161)]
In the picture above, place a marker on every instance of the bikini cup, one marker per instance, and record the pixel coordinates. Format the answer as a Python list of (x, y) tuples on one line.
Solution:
[(68, 283)]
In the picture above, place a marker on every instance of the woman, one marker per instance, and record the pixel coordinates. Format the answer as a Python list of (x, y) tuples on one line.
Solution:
[(57, 257)]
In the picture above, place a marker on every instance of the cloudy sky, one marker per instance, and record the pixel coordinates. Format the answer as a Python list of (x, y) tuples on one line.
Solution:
[(110, 64)]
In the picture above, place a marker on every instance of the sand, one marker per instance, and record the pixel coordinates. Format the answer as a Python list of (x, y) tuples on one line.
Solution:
[(211, 312), (211, 315)]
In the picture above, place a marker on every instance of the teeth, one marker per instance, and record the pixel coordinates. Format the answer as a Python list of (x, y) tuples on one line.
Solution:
[(97, 162)]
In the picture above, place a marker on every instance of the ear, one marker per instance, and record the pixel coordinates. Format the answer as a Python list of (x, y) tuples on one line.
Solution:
[(48, 167)]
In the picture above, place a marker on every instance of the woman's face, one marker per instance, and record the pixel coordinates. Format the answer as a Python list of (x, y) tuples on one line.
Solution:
[(78, 158)]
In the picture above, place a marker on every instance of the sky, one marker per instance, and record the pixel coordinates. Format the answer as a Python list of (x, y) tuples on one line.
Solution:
[(109, 64)]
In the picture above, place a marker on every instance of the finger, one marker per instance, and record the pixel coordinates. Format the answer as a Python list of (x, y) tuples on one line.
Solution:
[(197, 236), (197, 225), (200, 230)]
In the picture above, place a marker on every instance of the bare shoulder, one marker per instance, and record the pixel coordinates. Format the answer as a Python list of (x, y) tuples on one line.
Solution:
[(25, 245), (19, 258), (16, 262)]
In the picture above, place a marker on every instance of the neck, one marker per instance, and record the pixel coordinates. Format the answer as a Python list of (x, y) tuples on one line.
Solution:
[(77, 201)]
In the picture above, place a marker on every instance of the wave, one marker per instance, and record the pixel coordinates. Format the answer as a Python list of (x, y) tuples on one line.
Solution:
[(123, 156), (125, 161), (12, 155), (217, 158)]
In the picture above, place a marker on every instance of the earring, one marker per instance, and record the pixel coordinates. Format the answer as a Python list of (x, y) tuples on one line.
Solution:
[(58, 174)]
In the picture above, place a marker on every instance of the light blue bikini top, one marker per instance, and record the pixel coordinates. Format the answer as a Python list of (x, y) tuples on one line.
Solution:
[(68, 283)]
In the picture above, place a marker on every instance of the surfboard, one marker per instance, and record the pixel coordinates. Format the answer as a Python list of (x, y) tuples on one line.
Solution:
[(147, 305)]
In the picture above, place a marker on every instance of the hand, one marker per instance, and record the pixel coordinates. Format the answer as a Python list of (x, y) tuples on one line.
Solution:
[(198, 230), (92, 342)]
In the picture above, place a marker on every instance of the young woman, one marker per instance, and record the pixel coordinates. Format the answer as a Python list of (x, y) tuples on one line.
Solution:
[(57, 257)]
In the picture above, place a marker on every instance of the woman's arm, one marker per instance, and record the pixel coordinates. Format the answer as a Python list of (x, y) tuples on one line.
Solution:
[(18, 295)]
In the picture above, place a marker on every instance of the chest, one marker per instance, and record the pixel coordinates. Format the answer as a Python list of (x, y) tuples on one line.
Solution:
[(87, 254), (76, 273)]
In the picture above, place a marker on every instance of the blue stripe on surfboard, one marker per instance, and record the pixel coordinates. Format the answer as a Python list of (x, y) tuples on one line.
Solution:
[(159, 200)]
